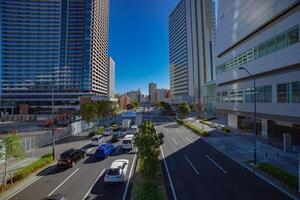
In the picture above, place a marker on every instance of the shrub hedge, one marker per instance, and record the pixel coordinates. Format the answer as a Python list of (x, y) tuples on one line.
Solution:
[(192, 127), (283, 176), (26, 171), (148, 190), (225, 129), (99, 131)]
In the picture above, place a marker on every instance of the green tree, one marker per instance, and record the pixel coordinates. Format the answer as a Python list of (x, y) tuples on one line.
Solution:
[(105, 109), (148, 143), (10, 147), (88, 112), (183, 109), (135, 104)]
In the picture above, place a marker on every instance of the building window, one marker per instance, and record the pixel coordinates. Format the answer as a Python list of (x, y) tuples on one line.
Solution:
[(293, 35), (295, 90), (225, 97), (264, 94), (218, 97), (249, 95), (282, 93), (280, 41)]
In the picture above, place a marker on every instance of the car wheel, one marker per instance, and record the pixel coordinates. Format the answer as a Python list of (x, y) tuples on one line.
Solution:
[(84, 155)]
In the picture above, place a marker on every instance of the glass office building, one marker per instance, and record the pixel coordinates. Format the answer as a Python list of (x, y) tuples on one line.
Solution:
[(55, 46)]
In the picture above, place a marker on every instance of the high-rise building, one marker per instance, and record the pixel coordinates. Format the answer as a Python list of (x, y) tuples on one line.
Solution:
[(262, 38), (152, 92), (191, 47), (111, 77), (58, 46), (161, 95), (135, 95)]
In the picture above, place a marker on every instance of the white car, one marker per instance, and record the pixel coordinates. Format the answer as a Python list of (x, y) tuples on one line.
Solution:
[(134, 129), (117, 171), (96, 140), (128, 142), (107, 132)]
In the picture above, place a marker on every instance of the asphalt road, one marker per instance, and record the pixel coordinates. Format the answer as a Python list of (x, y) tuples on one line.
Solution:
[(84, 181), (195, 170)]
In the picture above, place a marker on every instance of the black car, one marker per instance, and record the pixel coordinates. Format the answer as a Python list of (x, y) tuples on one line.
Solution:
[(70, 157), (56, 197)]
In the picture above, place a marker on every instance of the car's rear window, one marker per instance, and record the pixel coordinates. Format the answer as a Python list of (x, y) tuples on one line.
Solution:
[(99, 151), (113, 172), (126, 141)]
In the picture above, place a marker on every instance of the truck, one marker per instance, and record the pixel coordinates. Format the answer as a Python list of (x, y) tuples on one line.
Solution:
[(126, 123)]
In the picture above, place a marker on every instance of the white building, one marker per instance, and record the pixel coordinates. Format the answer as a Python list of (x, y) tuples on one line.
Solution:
[(112, 80), (191, 47), (262, 37)]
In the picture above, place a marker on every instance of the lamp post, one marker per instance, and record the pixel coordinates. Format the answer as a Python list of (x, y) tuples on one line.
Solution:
[(53, 135), (254, 113)]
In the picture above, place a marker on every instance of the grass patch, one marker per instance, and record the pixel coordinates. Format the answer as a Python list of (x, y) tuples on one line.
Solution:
[(147, 189), (99, 131), (283, 176), (29, 169), (192, 127)]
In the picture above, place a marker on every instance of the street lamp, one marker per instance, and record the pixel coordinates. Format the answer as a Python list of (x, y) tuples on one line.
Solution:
[(254, 112)]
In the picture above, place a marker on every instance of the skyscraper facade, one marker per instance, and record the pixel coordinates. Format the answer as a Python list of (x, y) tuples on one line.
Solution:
[(152, 92), (111, 78), (191, 47), (264, 39), (57, 46)]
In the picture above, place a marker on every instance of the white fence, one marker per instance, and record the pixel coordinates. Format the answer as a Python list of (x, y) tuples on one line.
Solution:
[(38, 141)]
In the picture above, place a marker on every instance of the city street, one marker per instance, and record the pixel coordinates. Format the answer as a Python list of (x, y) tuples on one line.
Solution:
[(195, 170), (84, 181)]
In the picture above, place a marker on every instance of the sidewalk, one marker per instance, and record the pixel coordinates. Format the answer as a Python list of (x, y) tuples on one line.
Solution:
[(240, 146)]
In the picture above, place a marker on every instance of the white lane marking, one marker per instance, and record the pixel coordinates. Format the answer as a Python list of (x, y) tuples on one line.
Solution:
[(40, 176), (63, 182), (168, 173), (194, 168), (88, 151), (209, 158), (118, 149), (130, 174), (89, 191), (174, 140), (189, 140)]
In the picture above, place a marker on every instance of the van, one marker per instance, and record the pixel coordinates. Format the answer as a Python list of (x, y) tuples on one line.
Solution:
[(96, 140), (134, 129), (128, 142)]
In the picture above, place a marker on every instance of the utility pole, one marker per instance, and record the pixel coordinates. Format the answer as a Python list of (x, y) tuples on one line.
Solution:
[(53, 135)]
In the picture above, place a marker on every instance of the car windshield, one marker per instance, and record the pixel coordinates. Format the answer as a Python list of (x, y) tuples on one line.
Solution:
[(64, 156), (94, 139), (114, 172), (107, 129), (126, 141)]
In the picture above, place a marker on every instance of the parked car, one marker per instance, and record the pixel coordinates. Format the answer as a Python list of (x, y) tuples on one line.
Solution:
[(134, 129), (116, 136), (117, 171), (96, 140), (70, 157), (104, 150), (128, 142), (107, 132), (56, 197)]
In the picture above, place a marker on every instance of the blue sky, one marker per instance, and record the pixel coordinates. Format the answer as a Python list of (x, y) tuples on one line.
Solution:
[(138, 42)]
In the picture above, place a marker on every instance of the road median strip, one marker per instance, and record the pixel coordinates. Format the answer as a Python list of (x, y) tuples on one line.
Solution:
[(192, 127)]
